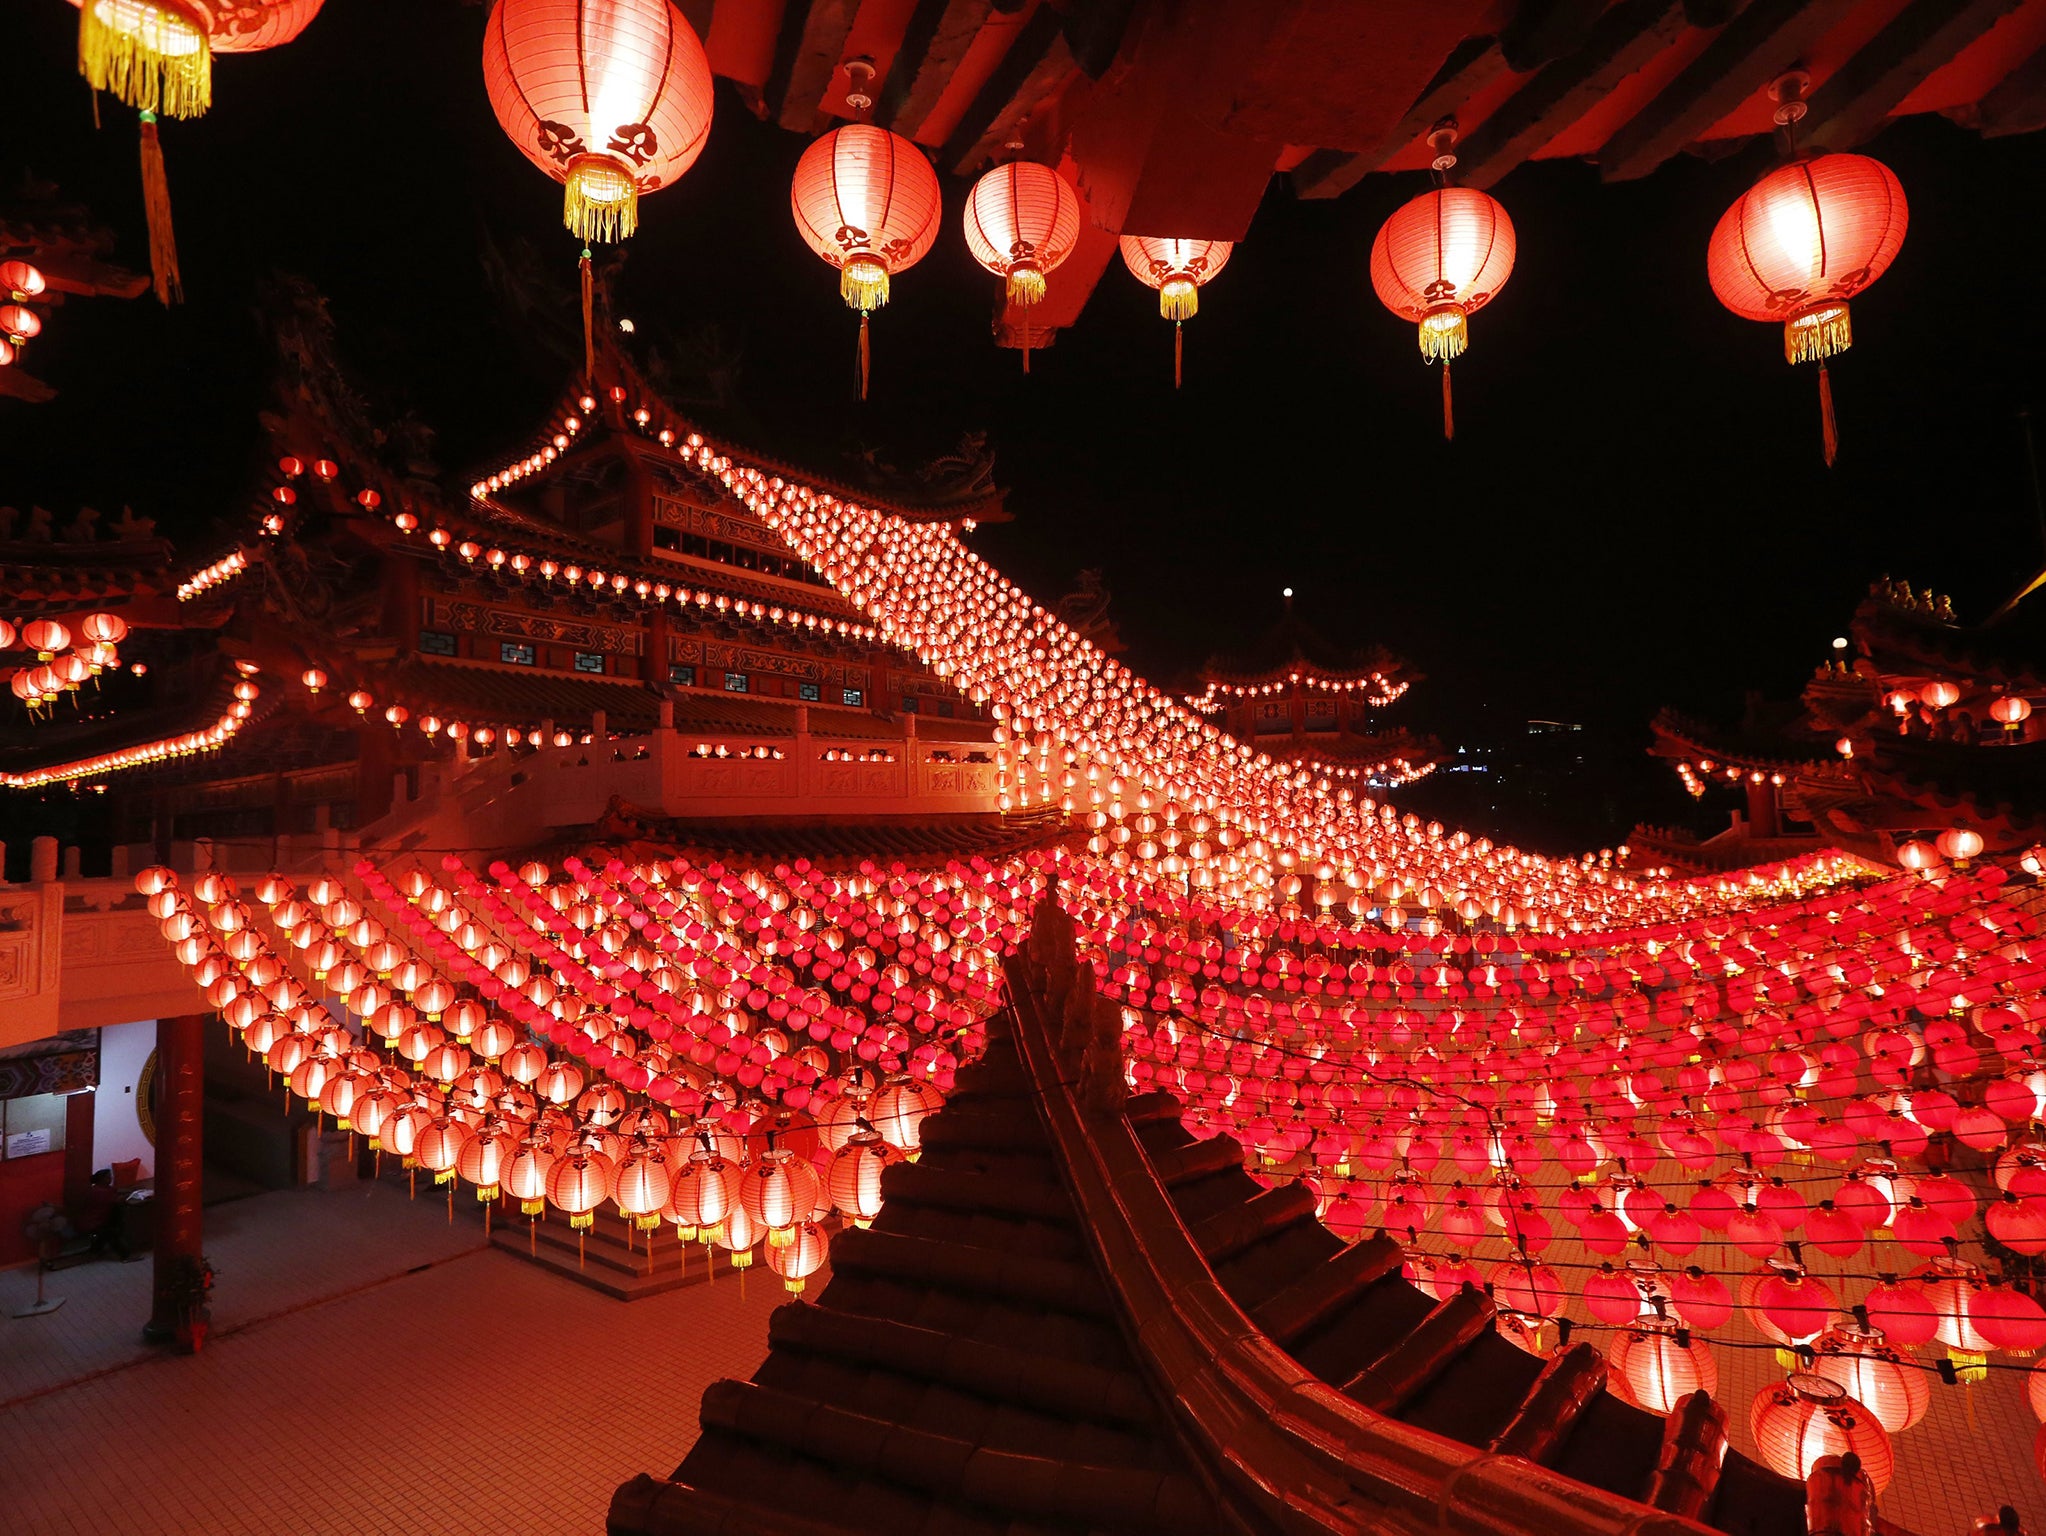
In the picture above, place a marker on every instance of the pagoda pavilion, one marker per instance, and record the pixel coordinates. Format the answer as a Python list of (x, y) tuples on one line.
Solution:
[(1918, 727), (1300, 699)]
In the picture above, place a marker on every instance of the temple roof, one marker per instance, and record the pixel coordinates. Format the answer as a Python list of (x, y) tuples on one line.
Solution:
[(836, 842), (1294, 647)]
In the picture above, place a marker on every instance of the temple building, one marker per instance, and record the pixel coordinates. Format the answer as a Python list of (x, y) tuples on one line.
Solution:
[(1917, 726), (1300, 699)]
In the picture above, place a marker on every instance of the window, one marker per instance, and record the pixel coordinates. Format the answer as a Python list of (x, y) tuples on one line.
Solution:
[(436, 642), (855, 697), (32, 1126), (517, 652), (667, 538), (945, 708), (589, 661), (909, 703), (809, 693), (682, 673), (1272, 717), (1321, 715), (735, 682)]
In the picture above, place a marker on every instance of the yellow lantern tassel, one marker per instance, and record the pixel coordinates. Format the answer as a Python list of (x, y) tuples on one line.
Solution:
[(863, 282), (1448, 407), (1179, 299), (1829, 429), (600, 199), (156, 209), (149, 55)]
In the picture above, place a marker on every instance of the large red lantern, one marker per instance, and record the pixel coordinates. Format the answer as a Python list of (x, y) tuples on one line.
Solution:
[(1178, 269), (612, 98), (1022, 221), (1798, 245), (1797, 1421), (1655, 1366), (1437, 261), (867, 201), (157, 56)]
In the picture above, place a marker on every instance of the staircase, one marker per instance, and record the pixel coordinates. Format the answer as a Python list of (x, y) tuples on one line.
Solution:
[(614, 1257)]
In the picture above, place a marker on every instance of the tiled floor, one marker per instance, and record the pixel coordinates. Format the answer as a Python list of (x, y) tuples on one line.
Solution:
[(375, 1369), (372, 1370)]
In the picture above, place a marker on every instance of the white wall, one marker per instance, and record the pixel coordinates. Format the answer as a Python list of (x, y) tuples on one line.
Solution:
[(116, 1129)]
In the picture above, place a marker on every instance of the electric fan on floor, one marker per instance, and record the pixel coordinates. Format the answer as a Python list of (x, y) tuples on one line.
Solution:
[(44, 1229)]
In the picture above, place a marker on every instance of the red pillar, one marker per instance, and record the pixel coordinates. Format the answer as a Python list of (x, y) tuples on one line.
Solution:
[(180, 1101), (1765, 815)]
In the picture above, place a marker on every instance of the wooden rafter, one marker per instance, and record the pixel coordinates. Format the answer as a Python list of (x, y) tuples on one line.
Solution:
[(1622, 40), (1858, 99), (1006, 88), (807, 53), (1474, 64), (1754, 48)]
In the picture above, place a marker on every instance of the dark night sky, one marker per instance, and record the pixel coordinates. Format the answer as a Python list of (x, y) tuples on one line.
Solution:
[(1635, 512)]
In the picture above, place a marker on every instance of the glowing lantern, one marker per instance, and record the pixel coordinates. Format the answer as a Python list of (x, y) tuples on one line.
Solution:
[(1656, 1369), (1798, 245), (612, 98), (2011, 711), (867, 201), (1960, 844), (1917, 854), (800, 1257), (779, 1190), (1875, 1375), (1797, 1421), (45, 637), (19, 323), (641, 1188), (157, 56), (1438, 260), (578, 1182), (899, 1112), (1178, 269), (21, 280), (314, 679), (855, 1176), (1022, 221)]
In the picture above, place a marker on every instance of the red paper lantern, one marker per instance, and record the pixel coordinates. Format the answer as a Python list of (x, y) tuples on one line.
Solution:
[(1437, 261), (855, 1176), (1654, 1368), (612, 98), (800, 1257), (1799, 244), (867, 201), (1799, 1420), (1022, 221), (1178, 269), (2010, 711), (21, 280), (1874, 1374)]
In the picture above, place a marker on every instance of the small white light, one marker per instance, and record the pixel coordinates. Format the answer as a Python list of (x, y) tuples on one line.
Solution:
[(625, 325)]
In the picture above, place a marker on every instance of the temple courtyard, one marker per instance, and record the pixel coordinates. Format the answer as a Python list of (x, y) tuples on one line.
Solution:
[(372, 1368)]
